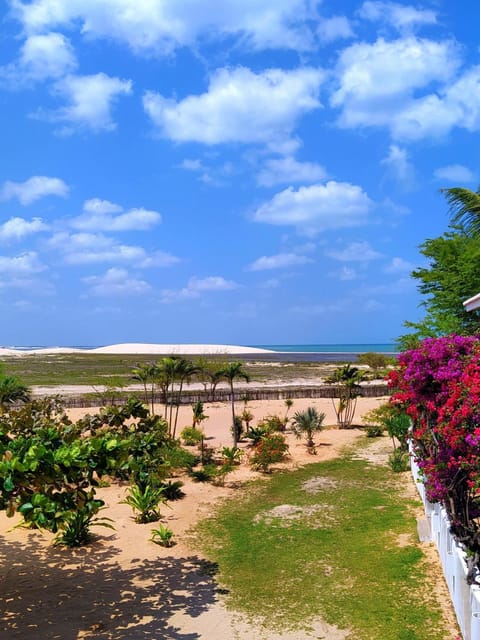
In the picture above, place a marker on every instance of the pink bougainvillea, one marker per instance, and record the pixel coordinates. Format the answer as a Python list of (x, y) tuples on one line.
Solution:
[(438, 384)]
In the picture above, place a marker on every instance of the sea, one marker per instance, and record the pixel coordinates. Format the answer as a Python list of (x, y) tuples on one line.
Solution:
[(341, 352), (324, 352)]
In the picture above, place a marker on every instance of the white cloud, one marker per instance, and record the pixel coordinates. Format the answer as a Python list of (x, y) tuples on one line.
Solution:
[(23, 265), (355, 252), (89, 248), (436, 114), (196, 286), (101, 207), (319, 207), (116, 282), (399, 166), (33, 189), (191, 165), (17, 228), (160, 26), (455, 173), (399, 265), (42, 57), (345, 274), (98, 216), (290, 171), (402, 17), (239, 106), (334, 28), (377, 81), (278, 261), (89, 101)]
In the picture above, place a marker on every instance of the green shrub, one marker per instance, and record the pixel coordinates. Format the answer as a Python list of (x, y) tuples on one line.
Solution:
[(255, 434), (232, 455), (204, 474), (172, 489), (177, 458), (191, 436), (373, 431), (163, 536), (399, 461), (146, 501)]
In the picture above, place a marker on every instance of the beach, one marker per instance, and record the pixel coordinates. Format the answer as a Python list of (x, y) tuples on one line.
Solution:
[(124, 587)]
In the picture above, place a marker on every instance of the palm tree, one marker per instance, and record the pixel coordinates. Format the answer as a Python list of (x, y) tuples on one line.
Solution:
[(12, 390), (464, 208), (307, 422), (234, 371), (146, 373), (347, 389), (184, 370)]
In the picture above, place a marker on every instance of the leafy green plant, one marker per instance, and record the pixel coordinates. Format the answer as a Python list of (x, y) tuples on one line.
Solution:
[(172, 489), (204, 474), (191, 436), (373, 431), (272, 448), (75, 528), (232, 455), (255, 434), (399, 461), (163, 536), (307, 423), (145, 500), (221, 474)]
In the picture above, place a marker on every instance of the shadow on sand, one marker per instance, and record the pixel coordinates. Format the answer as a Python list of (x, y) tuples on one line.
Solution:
[(54, 593)]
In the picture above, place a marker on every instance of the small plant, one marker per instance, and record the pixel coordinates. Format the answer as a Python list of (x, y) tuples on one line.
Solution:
[(275, 423), (197, 414), (271, 448), (163, 536), (247, 417), (75, 529), (373, 431), (255, 434), (232, 455), (306, 423), (191, 436), (204, 474), (146, 501), (221, 473), (399, 461), (172, 490)]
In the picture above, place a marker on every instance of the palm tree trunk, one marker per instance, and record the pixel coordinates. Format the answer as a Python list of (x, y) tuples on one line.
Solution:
[(234, 428)]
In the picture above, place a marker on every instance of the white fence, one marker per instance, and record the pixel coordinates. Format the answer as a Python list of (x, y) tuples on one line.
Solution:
[(465, 598)]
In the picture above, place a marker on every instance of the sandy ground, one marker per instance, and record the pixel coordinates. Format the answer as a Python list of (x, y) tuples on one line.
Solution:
[(124, 587)]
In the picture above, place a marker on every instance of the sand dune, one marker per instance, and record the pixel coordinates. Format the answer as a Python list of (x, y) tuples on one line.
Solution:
[(144, 348)]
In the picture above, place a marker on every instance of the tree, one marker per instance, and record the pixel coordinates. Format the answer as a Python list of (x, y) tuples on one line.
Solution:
[(306, 423), (234, 371), (146, 374), (346, 381), (464, 209), (451, 277)]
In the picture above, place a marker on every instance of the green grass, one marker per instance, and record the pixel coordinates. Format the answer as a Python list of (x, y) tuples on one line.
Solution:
[(342, 562)]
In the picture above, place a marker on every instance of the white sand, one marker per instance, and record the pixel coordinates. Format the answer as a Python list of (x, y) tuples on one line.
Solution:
[(144, 348)]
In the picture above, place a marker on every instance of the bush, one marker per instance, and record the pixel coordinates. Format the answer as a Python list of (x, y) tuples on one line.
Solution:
[(399, 461), (172, 490), (145, 501), (204, 474), (191, 436), (272, 448), (255, 434), (373, 431)]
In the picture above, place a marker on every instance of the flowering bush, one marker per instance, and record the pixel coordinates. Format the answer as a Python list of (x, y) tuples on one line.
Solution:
[(438, 385), (271, 448)]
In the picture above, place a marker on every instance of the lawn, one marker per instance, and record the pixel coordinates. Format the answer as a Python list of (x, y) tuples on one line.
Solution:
[(335, 540)]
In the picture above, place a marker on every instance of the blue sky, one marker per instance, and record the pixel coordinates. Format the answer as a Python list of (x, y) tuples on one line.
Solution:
[(244, 171)]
